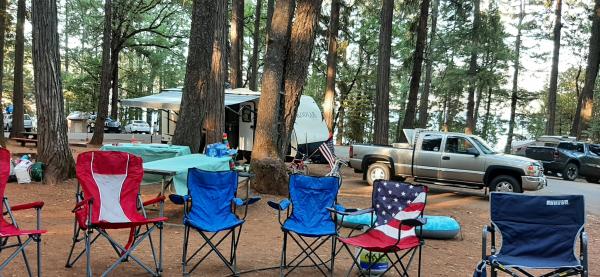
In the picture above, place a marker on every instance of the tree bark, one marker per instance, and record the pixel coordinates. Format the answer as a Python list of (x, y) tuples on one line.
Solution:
[(515, 85), (197, 75), (554, 72), (424, 101), (409, 115), (575, 123), (237, 37), (270, 9), (105, 84), (486, 120), (66, 34), (3, 23), (265, 153), (18, 95), (114, 103), (53, 145), (253, 80), (382, 94), (298, 59), (329, 101), (591, 73), (471, 123), (215, 104)]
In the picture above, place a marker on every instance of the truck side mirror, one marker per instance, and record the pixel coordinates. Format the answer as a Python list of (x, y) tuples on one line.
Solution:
[(473, 151)]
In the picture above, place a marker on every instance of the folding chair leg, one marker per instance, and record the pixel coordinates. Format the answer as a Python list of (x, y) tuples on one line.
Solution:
[(419, 265), (283, 263), (38, 241), (186, 234), (333, 250), (25, 260), (159, 270), (88, 253)]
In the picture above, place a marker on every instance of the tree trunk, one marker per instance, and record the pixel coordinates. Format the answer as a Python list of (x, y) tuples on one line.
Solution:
[(53, 145), (237, 42), (478, 96), (215, 104), (253, 82), (329, 101), (17, 99), (265, 153), (409, 115), (66, 34), (486, 120), (424, 101), (382, 94), (114, 103), (296, 69), (471, 123), (3, 23), (515, 86), (270, 9), (102, 109), (197, 75), (554, 73), (575, 123), (591, 72)]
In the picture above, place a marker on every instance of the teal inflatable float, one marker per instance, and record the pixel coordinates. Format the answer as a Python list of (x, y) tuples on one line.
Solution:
[(437, 227)]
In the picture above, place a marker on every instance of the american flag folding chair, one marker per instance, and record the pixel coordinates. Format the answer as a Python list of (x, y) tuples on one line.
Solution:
[(110, 199), (309, 219), (212, 210), (399, 209), (538, 232), (10, 229)]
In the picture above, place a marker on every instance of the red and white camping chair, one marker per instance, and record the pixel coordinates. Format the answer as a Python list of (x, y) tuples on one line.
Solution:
[(10, 230), (110, 199)]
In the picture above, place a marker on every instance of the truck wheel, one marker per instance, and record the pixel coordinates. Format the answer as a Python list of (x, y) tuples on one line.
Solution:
[(378, 171), (570, 172), (595, 180), (505, 183)]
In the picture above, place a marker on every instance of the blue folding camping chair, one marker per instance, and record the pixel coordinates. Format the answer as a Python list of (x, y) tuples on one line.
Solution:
[(212, 212), (309, 224), (538, 232)]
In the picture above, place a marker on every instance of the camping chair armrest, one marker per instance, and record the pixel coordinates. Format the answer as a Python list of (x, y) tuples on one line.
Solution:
[(487, 230), (415, 222), (282, 205), (154, 200), (82, 203), (338, 210), (27, 206), (179, 199), (246, 202)]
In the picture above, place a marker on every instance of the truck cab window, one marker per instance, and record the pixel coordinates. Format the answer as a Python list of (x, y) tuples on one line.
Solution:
[(431, 143), (595, 149), (580, 148), (458, 145)]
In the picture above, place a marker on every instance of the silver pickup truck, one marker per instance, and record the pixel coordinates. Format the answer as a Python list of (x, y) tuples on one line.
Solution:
[(447, 158)]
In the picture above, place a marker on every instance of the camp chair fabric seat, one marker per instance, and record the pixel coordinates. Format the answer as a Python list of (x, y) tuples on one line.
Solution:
[(215, 226), (532, 262), (122, 225), (11, 236), (296, 226), (377, 242), (9, 230)]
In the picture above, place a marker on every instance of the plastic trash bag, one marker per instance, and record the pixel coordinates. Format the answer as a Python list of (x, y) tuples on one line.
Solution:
[(37, 171), (22, 172)]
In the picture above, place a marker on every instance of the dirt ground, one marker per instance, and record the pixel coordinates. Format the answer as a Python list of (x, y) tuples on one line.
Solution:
[(261, 239)]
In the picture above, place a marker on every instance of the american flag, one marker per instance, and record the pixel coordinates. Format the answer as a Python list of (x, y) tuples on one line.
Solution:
[(328, 151), (393, 202)]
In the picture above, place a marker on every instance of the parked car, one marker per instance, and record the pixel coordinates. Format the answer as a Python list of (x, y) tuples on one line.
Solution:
[(138, 126), (110, 125), (27, 122), (453, 159), (569, 160)]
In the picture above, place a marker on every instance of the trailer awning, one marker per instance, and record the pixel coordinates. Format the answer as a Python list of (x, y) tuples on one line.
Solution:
[(170, 99)]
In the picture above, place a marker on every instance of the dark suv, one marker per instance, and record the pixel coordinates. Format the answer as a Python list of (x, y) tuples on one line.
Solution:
[(569, 159)]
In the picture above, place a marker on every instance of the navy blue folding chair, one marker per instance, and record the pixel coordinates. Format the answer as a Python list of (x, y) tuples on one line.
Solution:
[(212, 212), (309, 224), (538, 232)]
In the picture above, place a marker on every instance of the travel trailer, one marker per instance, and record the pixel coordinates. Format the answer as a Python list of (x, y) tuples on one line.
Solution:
[(310, 130)]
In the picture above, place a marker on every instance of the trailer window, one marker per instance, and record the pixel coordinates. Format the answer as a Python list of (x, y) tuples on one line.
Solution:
[(431, 143)]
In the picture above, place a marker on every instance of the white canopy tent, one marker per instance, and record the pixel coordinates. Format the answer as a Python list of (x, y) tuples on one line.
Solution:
[(170, 99)]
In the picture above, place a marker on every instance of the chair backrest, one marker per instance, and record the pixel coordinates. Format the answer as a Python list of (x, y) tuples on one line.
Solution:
[(113, 180), (311, 196), (396, 201), (538, 226), (211, 194), (4, 173)]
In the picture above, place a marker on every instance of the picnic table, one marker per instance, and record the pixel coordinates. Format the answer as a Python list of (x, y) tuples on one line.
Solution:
[(149, 152), (173, 171), (28, 137)]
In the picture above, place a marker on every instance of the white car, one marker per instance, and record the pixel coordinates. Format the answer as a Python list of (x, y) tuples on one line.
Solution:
[(27, 122), (138, 126)]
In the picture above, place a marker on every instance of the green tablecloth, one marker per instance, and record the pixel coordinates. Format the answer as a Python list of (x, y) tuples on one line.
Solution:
[(149, 152), (181, 164)]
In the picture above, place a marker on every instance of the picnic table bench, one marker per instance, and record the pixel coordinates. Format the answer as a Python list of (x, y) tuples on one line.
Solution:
[(23, 141)]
